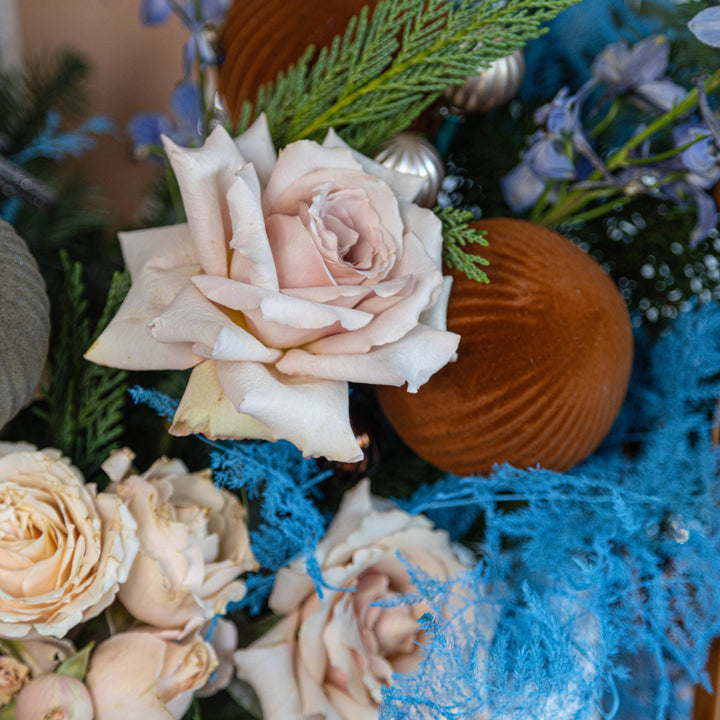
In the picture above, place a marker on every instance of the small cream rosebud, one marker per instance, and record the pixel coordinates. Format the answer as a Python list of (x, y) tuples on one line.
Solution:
[(54, 697), (13, 675)]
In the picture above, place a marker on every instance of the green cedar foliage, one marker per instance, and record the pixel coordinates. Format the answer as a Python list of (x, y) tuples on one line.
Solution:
[(385, 70), (84, 402), (457, 234)]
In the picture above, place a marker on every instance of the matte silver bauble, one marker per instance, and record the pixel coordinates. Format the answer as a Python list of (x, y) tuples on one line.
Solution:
[(411, 153), (491, 87), (24, 323)]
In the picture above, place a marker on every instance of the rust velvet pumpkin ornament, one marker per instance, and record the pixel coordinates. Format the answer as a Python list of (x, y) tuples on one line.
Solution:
[(263, 37), (543, 364)]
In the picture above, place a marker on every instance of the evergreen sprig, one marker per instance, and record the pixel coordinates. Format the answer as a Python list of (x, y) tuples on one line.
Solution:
[(84, 407), (385, 70), (457, 234)]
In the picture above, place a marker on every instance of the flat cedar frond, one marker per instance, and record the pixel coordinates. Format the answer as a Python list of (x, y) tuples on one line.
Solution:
[(457, 233), (85, 402), (391, 67)]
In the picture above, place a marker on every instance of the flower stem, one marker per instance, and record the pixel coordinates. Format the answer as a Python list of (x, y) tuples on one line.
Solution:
[(619, 159), (565, 210)]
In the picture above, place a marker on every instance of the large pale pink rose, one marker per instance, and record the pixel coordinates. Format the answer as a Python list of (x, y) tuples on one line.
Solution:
[(292, 276), (194, 544), (64, 548), (141, 675), (330, 657)]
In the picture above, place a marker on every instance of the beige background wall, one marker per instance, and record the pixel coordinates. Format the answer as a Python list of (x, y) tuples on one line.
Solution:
[(135, 68)]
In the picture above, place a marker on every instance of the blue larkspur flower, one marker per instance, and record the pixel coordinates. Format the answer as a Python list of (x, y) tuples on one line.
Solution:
[(706, 26), (183, 126), (639, 70)]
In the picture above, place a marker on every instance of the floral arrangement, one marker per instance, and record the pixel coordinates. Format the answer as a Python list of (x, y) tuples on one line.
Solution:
[(299, 561)]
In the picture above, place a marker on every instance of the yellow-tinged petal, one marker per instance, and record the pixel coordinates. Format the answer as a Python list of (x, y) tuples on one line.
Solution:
[(312, 414), (206, 410)]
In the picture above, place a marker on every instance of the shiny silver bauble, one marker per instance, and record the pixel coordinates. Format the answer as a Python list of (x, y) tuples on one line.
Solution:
[(411, 153), (491, 87)]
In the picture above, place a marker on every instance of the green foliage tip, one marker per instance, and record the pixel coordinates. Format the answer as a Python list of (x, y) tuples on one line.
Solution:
[(386, 69), (457, 233)]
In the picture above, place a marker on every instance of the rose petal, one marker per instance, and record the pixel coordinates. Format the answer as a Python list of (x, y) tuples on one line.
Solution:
[(297, 259), (398, 320), (436, 316), (252, 260), (191, 318), (206, 410), (380, 197), (256, 146), (125, 342), (299, 159), (122, 687), (268, 665), (412, 359), (204, 175), (164, 248), (273, 315), (161, 262), (349, 295), (404, 186), (313, 415), (427, 227), (118, 464), (146, 595)]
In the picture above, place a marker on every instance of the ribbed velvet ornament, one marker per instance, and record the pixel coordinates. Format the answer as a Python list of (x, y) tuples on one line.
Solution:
[(24, 323), (543, 364), (262, 37)]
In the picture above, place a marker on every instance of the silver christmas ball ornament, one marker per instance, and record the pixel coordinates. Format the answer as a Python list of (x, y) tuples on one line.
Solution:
[(492, 87), (411, 153)]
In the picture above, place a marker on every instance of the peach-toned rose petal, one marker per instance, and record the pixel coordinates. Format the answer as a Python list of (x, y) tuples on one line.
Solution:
[(256, 146), (426, 226), (297, 259), (122, 687), (190, 317), (405, 186), (412, 359), (310, 413), (252, 261), (163, 248), (118, 463), (401, 318), (356, 296), (63, 548), (205, 409), (268, 666), (299, 159), (380, 200), (278, 307), (343, 648), (204, 175), (125, 342)]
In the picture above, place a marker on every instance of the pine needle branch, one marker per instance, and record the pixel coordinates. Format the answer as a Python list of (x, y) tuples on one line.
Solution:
[(385, 71), (457, 234)]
